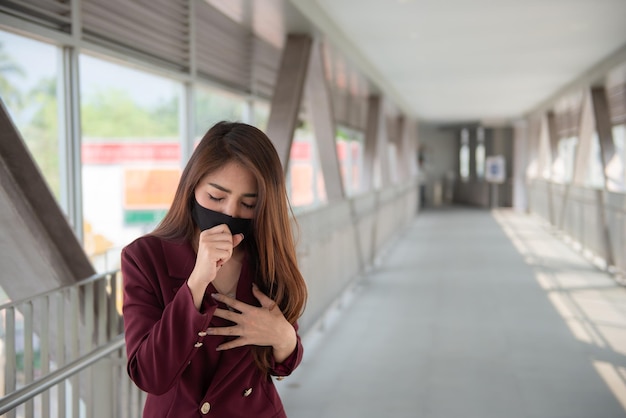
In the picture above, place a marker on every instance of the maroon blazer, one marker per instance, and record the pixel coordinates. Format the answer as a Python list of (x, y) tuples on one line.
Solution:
[(169, 355)]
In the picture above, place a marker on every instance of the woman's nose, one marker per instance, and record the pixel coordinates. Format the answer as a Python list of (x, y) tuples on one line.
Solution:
[(231, 208)]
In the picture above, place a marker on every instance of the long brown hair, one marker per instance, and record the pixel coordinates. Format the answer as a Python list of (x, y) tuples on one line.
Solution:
[(277, 272)]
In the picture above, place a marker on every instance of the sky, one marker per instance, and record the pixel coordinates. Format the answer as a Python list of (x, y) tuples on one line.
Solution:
[(39, 60)]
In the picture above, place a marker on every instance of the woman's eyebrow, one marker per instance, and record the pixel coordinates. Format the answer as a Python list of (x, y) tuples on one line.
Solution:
[(217, 186), (225, 190)]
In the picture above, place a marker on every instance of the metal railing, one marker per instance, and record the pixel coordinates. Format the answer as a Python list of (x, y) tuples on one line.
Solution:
[(63, 353), (593, 219)]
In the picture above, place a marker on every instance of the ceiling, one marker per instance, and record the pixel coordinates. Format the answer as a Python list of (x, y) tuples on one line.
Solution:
[(458, 61)]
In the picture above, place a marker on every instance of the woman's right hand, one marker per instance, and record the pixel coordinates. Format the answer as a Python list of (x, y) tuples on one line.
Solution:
[(215, 247)]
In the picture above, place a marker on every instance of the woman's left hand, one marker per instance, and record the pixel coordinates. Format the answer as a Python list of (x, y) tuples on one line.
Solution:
[(263, 326)]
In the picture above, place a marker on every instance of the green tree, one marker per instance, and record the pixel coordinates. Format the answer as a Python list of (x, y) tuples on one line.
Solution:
[(41, 134), (11, 96), (212, 108), (166, 113), (113, 113)]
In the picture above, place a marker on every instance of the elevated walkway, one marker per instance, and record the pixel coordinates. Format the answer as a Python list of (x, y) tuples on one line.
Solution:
[(471, 314)]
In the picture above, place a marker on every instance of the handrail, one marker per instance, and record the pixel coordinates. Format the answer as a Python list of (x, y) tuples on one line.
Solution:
[(20, 396), (92, 278)]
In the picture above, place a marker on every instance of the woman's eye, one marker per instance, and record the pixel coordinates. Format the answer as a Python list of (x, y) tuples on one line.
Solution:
[(215, 199), (245, 205)]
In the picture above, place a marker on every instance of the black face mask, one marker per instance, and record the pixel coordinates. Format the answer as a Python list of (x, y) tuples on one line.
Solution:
[(207, 218)]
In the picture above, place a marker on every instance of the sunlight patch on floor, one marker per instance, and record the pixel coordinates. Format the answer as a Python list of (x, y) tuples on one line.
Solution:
[(588, 299), (615, 379)]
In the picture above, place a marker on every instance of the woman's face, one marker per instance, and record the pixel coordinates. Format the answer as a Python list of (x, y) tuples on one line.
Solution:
[(231, 190)]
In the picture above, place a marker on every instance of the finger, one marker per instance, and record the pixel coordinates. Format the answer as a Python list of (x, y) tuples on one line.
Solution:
[(232, 302), (226, 314), (218, 229), (223, 240), (237, 239), (237, 342), (265, 300), (233, 331)]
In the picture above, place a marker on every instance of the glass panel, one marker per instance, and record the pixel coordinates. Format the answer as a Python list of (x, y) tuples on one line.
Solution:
[(563, 167), (392, 158), (213, 105), (595, 177), (350, 155), (28, 90), (480, 160), (261, 114), (305, 180), (464, 155), (616, 169), (545, 155), (131, 154), (480, 153)]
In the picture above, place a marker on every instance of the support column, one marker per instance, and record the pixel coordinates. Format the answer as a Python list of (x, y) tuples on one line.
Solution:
[(581, 154), (607, 152), (375, 149), (553, 142), (543, 148), (285, 105), (187, 111), (393, 138), (187, 116), (321, 111), (521, 145), (407, 148), (472, 142), (604, 129), (533, 170), (70, 141), (585, 137)]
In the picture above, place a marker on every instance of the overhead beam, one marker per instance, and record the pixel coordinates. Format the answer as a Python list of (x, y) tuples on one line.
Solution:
[(321, 111), (38, 249), (288, 92)]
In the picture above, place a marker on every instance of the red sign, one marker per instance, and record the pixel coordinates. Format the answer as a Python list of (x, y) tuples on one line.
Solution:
[(121, 152), (300, 151)]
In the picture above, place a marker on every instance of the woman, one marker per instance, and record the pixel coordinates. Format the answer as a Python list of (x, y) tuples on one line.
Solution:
[(211, 297)]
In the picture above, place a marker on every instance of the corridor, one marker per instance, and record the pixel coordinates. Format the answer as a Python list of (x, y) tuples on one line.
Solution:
[(470, 313)]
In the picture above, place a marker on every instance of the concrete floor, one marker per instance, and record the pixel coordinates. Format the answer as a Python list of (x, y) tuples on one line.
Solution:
[(472, 314)]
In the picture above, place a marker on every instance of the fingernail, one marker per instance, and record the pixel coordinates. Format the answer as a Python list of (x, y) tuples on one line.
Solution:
[(215, 295)]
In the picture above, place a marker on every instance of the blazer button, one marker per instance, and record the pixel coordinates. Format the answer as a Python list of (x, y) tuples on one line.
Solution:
[(247, 392), (206, 407), (197, 345), (202, 334)]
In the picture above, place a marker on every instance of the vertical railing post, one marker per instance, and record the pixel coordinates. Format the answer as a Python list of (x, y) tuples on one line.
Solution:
[(44, 354), (10, 369), (60, 351), (28, 357)]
